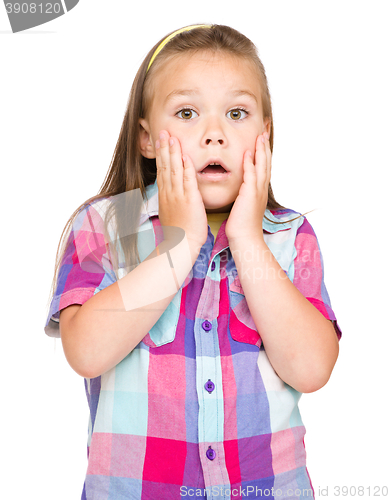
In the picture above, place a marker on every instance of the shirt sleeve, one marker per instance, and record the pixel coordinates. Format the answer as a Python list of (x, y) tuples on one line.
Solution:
[(85, 268), (308, 275)]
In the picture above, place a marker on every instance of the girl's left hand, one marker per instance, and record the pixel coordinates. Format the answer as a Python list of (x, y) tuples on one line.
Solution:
[(246, 216)]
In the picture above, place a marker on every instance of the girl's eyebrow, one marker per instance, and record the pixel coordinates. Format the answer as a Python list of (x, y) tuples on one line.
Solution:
[(179, 92), (195, 91)]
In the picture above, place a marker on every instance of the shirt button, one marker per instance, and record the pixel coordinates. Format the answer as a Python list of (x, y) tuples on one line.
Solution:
[(210, 453), (209, 386), (206, 325), (213, 266)]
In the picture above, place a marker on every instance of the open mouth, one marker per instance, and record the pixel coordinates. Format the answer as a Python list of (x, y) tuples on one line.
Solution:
[(214, 168)]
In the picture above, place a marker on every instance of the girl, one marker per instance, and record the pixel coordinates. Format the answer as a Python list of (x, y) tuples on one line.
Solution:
[(193, 303)]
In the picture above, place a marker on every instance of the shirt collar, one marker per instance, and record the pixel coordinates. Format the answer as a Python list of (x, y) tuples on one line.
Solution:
[(150, 208)]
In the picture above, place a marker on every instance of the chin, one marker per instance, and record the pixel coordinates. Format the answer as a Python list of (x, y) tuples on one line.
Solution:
[(219, 208)]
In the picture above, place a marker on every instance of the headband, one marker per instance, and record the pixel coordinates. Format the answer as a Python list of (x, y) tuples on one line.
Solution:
[(169, 37)]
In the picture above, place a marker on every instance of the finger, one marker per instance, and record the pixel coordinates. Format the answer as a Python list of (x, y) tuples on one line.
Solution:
[(261, 161), (160, 182), (190, 182), (176, 164), (268, 156), (163, 163), (268, 152), (249, 176)]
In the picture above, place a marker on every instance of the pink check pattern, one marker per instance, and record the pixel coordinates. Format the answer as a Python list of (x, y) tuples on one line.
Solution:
[(155, 430)]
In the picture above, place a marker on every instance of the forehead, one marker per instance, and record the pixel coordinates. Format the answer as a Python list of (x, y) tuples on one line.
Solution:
[(206, 71)]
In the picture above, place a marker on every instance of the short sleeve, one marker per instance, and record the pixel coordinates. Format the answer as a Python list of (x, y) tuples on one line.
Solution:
[(308, 272), (85, 268)]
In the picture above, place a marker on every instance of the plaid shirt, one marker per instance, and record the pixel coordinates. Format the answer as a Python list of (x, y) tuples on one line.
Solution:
[(196, 408)]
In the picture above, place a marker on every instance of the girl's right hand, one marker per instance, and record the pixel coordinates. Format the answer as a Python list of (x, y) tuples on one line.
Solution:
[(180, 201)]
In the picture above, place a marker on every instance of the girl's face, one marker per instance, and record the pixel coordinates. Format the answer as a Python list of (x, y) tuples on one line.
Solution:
[(212, 104)]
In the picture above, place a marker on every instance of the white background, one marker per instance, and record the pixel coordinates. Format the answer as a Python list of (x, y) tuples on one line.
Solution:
[(63, 92)]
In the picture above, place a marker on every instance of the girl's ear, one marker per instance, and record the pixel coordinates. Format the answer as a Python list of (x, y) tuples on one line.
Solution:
[(145, 140)]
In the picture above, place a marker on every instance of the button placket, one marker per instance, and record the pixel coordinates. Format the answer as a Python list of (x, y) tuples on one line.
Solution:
[(209, 377)]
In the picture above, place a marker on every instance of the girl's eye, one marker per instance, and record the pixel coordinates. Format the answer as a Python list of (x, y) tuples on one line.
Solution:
[(186, 114), (237, 114)]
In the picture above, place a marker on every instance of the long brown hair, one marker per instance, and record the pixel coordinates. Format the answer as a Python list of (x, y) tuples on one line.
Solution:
[(130, 170)]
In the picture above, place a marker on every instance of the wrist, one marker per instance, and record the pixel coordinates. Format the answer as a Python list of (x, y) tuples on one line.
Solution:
[(194, 249), (253, 241), (182, 255)]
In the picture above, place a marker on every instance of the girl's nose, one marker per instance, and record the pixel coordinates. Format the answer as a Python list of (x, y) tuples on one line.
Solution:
[(219, 141), (214, 134)]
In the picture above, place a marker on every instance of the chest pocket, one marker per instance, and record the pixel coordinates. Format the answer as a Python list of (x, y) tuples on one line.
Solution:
[(241, 325), (164, 330)]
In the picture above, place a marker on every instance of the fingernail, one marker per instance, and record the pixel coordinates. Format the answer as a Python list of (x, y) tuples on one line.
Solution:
[(171, 142), (161, 135), (262, 139), (157, 144), (267, 136)]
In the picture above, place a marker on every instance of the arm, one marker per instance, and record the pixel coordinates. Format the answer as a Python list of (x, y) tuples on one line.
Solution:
[(99, 334), (107, 327), (300, 342)]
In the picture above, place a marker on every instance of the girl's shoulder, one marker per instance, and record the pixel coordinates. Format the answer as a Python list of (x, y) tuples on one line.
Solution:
[(279, 212), (301, 227), (125, 202), (100, 204), (282, 219)]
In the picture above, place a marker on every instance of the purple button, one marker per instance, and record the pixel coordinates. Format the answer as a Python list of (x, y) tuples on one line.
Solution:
[(210, 453), (213, 266), (206, 325), (209, 386)]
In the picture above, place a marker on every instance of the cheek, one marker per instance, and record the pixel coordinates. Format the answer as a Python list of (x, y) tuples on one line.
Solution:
[(247, 140), (184, 140), (251, 145)]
